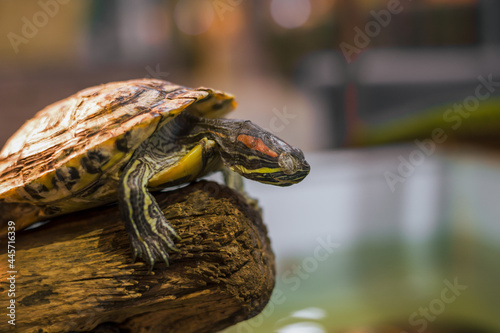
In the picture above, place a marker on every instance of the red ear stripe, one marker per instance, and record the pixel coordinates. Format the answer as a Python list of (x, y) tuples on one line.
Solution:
[(257, 144)]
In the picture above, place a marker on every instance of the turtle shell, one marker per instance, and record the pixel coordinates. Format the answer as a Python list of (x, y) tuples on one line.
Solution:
[(66, 148)]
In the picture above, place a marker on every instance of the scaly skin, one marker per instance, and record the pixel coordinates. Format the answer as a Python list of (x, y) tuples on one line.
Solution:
[(200, 145)]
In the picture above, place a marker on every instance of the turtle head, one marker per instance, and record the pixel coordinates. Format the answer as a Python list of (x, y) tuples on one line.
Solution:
[(259, 155)]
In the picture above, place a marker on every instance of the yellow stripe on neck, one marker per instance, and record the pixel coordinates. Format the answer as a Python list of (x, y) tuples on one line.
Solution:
[(242, 169)]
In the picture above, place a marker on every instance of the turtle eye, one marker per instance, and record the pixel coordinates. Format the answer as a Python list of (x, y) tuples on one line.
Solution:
[(287, 163)]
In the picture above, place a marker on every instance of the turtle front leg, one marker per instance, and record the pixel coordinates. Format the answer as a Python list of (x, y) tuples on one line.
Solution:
[(149, 231), (233, 180)]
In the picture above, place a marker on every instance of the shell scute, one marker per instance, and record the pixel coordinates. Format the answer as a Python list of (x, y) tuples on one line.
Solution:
[(122, 143), (36, 190), (66, 176), (72, 152), (94, 160)]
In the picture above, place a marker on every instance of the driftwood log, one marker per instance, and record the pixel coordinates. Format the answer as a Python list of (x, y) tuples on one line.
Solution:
[(76, 272)]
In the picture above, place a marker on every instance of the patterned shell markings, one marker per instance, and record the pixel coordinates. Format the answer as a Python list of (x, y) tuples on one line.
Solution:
[(93, 129)]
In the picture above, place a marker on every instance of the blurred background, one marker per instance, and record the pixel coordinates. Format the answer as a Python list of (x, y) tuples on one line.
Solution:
[(396, 105)]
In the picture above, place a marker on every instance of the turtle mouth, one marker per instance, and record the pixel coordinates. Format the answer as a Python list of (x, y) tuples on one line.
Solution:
[(287, 179), (294, 168)]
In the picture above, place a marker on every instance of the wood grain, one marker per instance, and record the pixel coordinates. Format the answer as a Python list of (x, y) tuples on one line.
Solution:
[(76, 272)]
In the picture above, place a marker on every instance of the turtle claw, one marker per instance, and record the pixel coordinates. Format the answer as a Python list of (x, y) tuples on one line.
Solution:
[(153, 248), (154, 243), (164, 256)]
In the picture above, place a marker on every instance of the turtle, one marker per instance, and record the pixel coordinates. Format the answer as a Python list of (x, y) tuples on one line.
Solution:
[(121, 141)]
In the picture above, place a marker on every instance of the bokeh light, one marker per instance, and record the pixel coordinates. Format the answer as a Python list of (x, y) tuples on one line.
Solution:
[(290, 13)]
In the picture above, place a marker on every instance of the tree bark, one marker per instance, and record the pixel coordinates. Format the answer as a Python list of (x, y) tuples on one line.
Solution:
[(76, 272)]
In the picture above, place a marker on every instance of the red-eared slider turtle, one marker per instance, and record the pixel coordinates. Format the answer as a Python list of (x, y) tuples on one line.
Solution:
[(121, 140)]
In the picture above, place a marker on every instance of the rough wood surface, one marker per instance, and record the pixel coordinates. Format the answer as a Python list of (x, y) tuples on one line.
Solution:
[(76, 272)]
